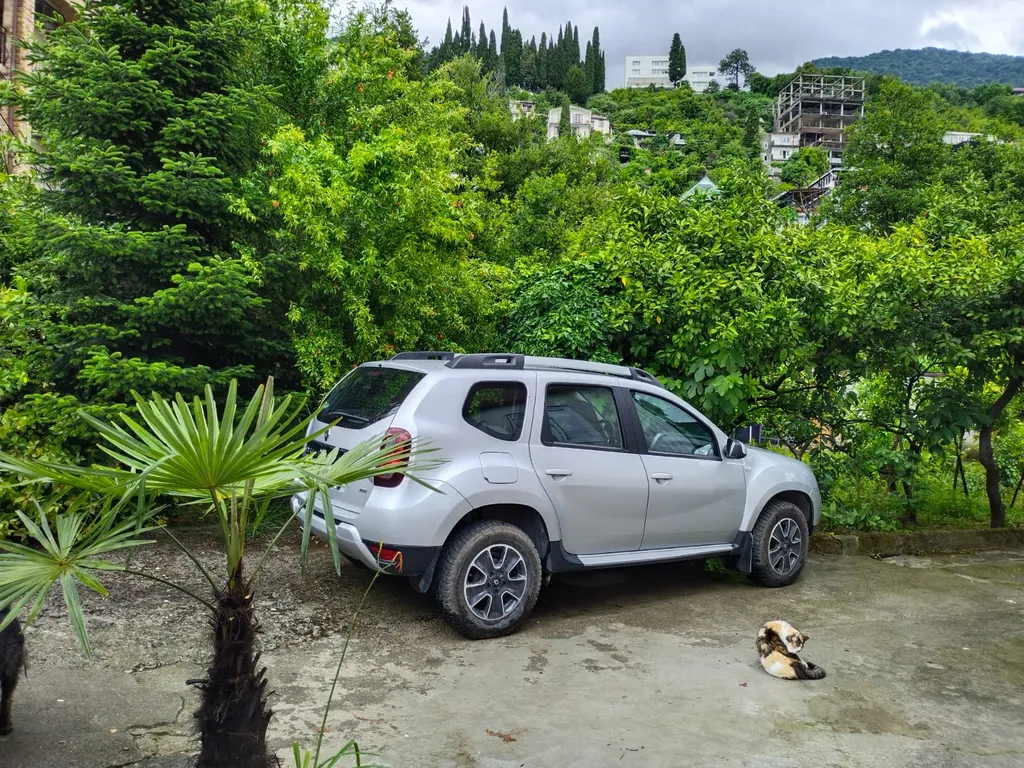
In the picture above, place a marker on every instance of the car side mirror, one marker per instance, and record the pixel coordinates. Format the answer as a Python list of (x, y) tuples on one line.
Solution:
[(734, 449)]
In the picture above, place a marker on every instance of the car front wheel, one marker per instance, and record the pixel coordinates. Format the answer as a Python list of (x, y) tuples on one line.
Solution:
[(488, 579), (780, 545)]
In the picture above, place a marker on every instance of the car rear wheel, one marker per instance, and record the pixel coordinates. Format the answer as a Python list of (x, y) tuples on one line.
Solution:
[(488, 579), (780, 545)]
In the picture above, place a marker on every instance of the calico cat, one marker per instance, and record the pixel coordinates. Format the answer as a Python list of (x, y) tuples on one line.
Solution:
[(778, 644), (12, 661)]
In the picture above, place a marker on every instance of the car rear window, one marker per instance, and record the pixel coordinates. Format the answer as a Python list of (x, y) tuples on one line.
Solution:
[(497, 409), (367, 395)]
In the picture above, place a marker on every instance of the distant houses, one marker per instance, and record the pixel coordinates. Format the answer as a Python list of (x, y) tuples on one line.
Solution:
[(582, 120)]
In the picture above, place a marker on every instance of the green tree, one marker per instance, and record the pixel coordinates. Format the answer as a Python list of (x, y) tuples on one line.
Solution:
[(805, 165), (576, 84), (543, 74), (735, 66), (676, 60), (149, 266), (375, 214), (893, 154), (598, 54), (713, 86), (565, 122), (466, 35)]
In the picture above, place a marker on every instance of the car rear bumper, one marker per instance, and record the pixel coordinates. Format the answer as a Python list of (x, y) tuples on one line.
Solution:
[(388, 558)]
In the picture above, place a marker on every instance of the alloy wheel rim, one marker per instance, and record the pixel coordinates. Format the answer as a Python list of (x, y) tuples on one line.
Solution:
[(785, 546), (495, 582)]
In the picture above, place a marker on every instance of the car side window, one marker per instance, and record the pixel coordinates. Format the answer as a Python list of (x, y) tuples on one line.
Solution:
[(497, 408), (581, 416), (669, 429)]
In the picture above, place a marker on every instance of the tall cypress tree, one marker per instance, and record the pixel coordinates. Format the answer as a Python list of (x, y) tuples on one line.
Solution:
[(543, 76), (588, 68), (141, 247), (491, 57), (556, 65), (447, 48), (575, 51), (467, 31), (528, 70), (481, 44), (599, 81), (676, 60)]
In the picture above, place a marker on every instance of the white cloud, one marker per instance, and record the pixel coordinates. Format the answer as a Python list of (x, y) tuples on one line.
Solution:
[(994, 26)]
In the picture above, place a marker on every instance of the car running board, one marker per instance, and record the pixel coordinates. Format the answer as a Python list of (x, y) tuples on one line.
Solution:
[(639, 557)]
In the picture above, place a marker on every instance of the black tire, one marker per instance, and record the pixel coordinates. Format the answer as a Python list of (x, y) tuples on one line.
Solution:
[(453, 568), (777, 517)]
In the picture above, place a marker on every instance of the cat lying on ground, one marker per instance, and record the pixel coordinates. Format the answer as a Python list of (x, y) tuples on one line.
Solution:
[(778, 644)]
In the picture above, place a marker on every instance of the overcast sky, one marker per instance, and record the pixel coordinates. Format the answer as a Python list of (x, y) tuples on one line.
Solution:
[(779, 36)]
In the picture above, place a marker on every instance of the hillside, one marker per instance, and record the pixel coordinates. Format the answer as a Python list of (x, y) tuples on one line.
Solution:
[(936, 65)]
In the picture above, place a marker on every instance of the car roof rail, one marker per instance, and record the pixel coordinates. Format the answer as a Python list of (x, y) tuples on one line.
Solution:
[(424, 356), (508, 362), (517, 362), (586, 366)]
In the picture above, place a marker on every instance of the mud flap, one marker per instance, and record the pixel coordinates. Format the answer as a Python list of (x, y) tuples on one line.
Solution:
[(423, 582), (743, 553)]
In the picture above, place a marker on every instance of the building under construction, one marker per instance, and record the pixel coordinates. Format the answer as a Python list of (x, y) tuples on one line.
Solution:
[(820, 109)]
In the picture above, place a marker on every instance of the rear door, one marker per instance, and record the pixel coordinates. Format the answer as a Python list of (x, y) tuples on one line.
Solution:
[(696, 496), (363, 404), (587, 463)]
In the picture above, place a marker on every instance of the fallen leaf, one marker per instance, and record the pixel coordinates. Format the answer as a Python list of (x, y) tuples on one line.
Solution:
[(506, 737), (743, 685)]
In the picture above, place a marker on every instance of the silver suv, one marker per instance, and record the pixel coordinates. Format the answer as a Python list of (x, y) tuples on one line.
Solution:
[(552, 466)]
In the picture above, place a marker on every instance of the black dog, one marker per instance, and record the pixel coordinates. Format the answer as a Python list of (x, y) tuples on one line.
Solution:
[(12, 661)]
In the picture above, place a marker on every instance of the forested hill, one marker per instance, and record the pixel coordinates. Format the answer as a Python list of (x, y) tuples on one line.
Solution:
[(936, 65)]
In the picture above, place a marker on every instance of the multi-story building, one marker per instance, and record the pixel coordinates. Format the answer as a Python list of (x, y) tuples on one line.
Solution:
[(18, 21), (815, 111), (583, 122), (645, 71), (700, 76)]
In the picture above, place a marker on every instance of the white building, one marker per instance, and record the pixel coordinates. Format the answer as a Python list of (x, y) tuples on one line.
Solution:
[(645, 71), (776, 149), (521, 109), (583, 121), (701, 75)]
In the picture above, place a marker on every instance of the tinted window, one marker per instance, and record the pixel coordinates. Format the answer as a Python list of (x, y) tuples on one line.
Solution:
[(497, 409), (582, 416), (670, 429), (367, 395)]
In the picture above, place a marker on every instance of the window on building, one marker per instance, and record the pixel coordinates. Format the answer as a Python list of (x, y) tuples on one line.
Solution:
[(636, 71), (45, 13), (636, 62)]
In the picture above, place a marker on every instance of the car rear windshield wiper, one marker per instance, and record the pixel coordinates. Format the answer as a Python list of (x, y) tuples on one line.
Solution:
[(344, 415)]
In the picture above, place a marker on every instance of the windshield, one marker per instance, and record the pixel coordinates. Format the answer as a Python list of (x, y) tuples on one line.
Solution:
[(367, 395)]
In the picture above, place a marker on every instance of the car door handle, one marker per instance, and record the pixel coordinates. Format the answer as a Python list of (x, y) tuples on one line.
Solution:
[(661, 477), (557, 473)]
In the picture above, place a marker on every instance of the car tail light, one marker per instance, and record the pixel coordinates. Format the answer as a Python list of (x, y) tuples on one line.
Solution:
[(387, 557), (396, 441)]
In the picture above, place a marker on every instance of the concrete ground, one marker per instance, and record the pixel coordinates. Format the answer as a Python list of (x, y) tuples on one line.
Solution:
[(646, 667)]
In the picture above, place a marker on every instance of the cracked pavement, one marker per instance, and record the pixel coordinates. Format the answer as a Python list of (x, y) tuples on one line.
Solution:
[(654, 666)]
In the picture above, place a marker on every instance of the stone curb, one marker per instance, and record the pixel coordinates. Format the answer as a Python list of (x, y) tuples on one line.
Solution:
[(916, 542)]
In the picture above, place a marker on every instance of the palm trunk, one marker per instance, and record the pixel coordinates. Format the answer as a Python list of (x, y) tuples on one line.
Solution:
[(232, 717)]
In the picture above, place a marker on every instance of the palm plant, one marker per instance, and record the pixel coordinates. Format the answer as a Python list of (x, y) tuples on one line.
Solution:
[(234, 464)]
